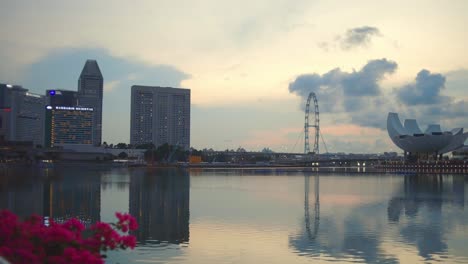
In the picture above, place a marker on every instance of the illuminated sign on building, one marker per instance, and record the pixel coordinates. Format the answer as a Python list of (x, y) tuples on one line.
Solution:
[(71, 108)]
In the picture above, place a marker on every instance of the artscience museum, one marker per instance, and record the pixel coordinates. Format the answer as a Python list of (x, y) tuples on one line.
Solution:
[(430, 143)]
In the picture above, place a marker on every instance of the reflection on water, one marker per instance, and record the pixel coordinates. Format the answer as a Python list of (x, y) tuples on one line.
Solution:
[(415, 213), (422, 201), (312, 233), (218, 216), (75, 193), (159, 200), (22, 191), (160, 203)]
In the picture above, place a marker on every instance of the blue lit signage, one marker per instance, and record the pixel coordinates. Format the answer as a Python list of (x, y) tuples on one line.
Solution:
[(52, 92)]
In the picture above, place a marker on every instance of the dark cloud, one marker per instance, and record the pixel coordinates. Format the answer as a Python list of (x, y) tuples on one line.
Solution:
[(425, 91), (358, 96), (340, 91), (360, 36), (365, 82), (426, 100), (61, 69)]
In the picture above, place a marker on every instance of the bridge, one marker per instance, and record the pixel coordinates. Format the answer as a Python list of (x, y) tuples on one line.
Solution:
[(294, 159)]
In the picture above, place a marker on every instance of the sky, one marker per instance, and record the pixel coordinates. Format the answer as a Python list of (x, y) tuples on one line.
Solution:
[(250, 65)]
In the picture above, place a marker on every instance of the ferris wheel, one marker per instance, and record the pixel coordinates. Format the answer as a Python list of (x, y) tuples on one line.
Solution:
[(315, 124)]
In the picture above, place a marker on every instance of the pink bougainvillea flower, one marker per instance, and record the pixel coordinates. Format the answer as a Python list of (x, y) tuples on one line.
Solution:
[(31, 241)]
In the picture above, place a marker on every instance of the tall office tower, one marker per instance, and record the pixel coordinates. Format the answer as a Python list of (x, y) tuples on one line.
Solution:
[(65, 125), (21, 115), (160, 115), (90, 94), (61, 98)]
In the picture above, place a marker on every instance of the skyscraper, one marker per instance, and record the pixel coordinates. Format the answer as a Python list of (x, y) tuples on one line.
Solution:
[(160, 115), (90, 94)]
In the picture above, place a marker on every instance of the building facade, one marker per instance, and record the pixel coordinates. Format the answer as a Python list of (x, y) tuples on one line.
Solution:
[(90, 94), (61, 98), (66, 125), (21, 115), (160, 115)]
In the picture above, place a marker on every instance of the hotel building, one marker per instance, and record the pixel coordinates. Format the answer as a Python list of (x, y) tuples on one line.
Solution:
[(68, 125), (160, 115)]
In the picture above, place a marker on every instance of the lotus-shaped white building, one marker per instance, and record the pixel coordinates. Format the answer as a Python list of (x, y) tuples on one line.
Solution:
[(410, 138)]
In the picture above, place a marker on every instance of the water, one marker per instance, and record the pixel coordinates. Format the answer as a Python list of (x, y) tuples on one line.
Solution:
[(245, 216)]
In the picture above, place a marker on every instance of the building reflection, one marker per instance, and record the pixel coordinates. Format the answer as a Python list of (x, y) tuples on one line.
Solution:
[(72, 193), (57, 193), (414, 214), (160, 202), (330, 237), (426, 190), (21, 191), (421, 205)]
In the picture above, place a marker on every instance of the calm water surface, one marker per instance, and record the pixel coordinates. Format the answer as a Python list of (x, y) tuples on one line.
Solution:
[(264, 216)]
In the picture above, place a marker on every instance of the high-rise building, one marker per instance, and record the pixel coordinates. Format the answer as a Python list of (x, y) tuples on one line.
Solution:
[(68, 125), (90, 94), (21, 115), (160, 115)]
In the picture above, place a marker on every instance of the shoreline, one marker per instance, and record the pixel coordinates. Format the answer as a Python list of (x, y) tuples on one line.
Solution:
[(390, 169)]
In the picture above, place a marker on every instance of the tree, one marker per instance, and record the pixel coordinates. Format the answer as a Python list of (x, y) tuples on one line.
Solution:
[(121, 146), (241, 149), (166, 153), (196, 152), (145, 146), (267, 150)]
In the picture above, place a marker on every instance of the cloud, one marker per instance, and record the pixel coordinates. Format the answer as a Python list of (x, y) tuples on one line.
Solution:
[(457, 82), (61, 69), (360, 36), (430, 100), (425, 91), (209, 26), (110, 86), (358, 96), (340, 91), (353, 38)]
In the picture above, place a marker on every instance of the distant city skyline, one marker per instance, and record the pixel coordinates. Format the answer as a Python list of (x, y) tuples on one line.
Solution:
[(249, 68)]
